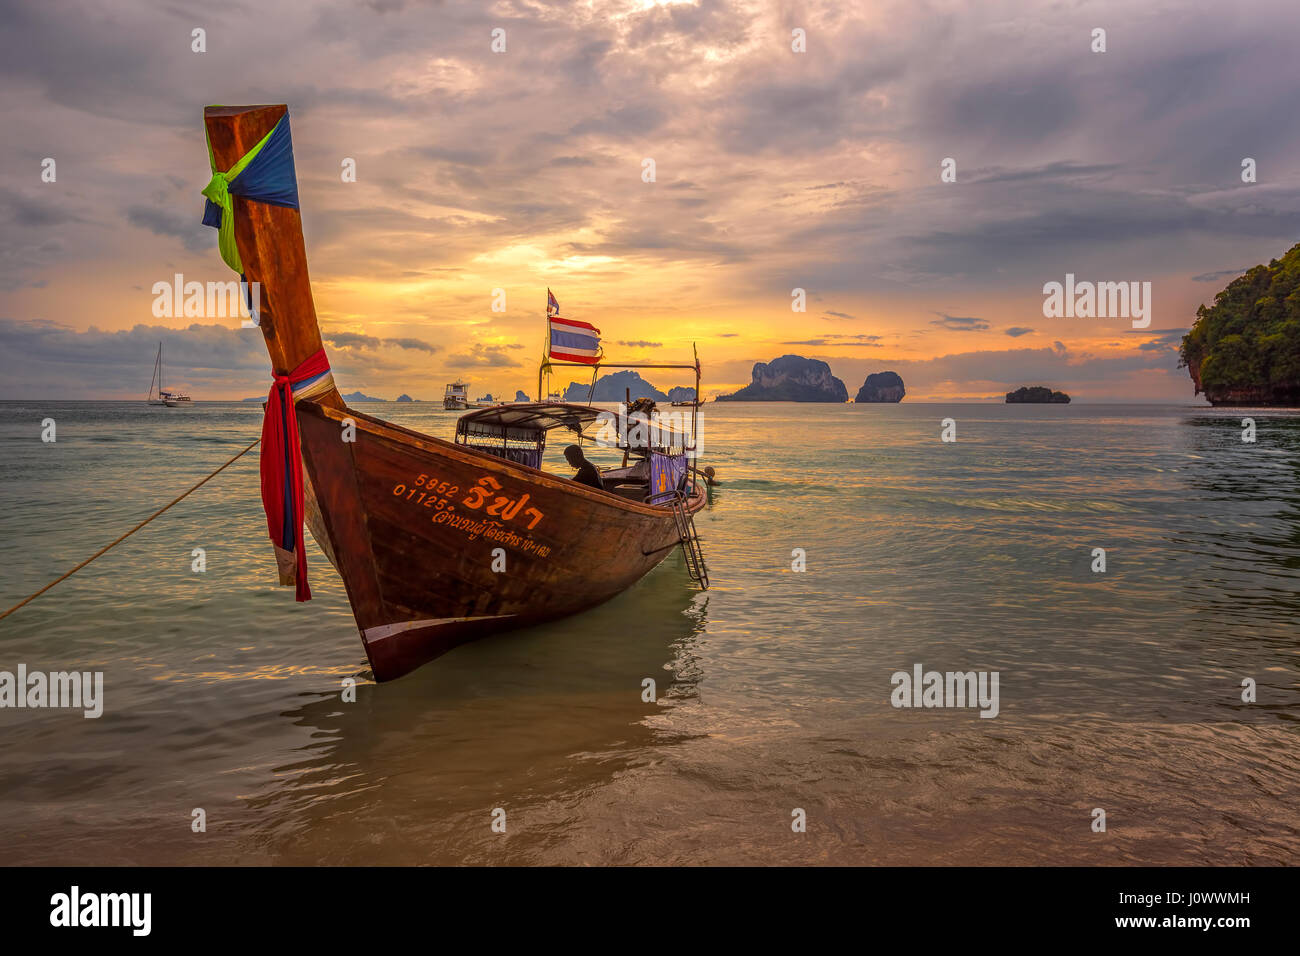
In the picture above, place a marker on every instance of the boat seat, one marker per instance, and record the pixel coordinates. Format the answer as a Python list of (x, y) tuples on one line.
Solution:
[(632, 492)]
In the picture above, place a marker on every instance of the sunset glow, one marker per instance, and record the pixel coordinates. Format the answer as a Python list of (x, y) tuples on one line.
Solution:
[(774, 171)]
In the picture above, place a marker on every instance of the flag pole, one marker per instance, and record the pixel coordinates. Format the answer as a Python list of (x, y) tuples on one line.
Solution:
[(546, 351)]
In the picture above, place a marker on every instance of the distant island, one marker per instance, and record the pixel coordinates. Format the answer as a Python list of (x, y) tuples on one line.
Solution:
[(521, 395), (405, 398), (1036, 395), (614, 388), (881, 387), (1245, 349), (681, 393), (790, 378)]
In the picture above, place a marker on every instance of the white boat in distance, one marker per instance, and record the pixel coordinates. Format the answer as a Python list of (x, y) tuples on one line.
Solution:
[(162, 396), (456, 397)]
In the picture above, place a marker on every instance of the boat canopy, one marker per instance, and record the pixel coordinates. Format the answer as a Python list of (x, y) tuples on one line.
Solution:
[(517, 432), (524, 420)]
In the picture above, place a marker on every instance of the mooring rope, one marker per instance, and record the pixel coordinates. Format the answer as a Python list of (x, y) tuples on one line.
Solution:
[(118, 541)]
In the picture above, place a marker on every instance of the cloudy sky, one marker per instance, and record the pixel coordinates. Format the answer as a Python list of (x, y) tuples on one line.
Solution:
[(774, 170)]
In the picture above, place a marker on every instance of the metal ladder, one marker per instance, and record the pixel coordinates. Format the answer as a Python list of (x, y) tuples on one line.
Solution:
[(692, 550)]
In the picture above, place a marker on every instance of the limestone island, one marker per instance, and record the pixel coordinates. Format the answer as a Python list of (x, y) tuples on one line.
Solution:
[(614, 387), (1036, 395), (1245, 349), (790, 378), (881, 387)]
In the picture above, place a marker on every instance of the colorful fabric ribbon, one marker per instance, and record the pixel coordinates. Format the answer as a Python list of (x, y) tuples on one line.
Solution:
[(264, 174), (281, 466)]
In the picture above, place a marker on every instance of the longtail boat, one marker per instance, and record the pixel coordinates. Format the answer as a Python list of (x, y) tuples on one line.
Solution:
[(437, 542)]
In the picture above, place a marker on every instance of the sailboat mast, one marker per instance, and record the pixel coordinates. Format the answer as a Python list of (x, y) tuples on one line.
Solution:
[(154, 378)]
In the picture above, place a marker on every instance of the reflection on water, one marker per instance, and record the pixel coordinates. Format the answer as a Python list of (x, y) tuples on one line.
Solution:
[(508, 723), (1120, 690)]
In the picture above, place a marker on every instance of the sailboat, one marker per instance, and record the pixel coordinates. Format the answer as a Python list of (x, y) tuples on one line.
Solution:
[(163, 396), (437, 542)]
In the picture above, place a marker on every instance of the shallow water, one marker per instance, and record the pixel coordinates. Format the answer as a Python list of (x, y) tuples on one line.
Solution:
[(1118, 690)]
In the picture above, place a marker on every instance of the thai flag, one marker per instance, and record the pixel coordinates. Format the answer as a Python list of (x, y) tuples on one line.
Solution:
[(573, 341), (552, 305)]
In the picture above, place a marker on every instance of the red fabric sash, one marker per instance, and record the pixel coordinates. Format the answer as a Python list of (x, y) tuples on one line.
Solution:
[(280, 446)]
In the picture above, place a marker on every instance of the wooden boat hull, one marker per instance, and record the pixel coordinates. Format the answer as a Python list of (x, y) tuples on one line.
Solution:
[(427, 567)]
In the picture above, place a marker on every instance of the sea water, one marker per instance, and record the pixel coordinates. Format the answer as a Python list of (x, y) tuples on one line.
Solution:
[(845, 545)]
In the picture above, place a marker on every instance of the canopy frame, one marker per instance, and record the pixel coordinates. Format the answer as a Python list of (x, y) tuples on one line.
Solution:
[(595, 371)]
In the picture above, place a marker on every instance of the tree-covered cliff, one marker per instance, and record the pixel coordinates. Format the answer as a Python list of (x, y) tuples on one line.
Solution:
[(1245, 349)]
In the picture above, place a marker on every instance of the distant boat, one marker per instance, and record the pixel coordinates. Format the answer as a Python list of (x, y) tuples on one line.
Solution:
[(687, 404), (456, 398), (163, 396)]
